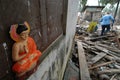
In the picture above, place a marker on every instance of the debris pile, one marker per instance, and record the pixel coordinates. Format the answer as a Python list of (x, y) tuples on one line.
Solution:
[(101, 54)]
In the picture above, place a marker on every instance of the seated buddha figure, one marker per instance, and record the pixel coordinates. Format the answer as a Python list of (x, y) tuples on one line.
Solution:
[(24, 52)]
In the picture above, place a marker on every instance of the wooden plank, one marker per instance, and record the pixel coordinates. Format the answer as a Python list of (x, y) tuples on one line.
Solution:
[(103, 64), (100, 37), (91, 46), (106, 51), (112, 78), (98, 57), (109, 48), (110, 71), (84, 73)]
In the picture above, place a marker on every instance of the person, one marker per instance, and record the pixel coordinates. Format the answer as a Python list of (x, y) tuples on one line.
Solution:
[(92, 27), (24, 52), (105, 23)]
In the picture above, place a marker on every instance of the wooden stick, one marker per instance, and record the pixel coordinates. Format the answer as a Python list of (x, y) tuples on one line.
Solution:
[(110, 58), (113, 76), (110, 71), (102, 49), (106, 51), (100, 37), (97, 57), (104, 77), (110, 48), (103, 64)]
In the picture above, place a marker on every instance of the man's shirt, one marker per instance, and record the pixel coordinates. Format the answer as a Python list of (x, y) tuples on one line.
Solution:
[(105, 20)]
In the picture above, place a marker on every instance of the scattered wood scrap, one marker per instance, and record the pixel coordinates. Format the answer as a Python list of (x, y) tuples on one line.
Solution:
[(113, 77), (98, 56), (109, 71), (103, 64), (110, 48)]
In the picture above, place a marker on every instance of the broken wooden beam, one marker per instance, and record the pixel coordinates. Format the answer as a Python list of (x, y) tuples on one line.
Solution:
[(93, 47), (109, 58), (112, 78), (103, 64), (98, 57), (109, 71), (109, 48), (89, 43), (84, 73), (99, 37), (104, 77), (115, 57)]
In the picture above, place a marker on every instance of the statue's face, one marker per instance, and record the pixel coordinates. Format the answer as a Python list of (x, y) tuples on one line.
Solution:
[(24, 34)]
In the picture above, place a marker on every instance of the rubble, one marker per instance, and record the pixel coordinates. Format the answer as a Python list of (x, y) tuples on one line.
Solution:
[(101, 53)]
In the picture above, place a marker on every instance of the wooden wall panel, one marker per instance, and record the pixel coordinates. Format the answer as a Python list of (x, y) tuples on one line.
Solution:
[(44, 17)]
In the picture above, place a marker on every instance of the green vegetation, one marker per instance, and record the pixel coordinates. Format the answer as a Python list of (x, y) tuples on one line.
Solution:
[(105, 2), (83, 2)]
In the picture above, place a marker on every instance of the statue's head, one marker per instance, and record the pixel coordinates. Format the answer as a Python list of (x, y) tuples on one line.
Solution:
[(22, 31), (18, 31), (21, 28)]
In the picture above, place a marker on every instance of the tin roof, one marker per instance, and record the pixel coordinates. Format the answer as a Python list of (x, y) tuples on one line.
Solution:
[(92, 8)]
